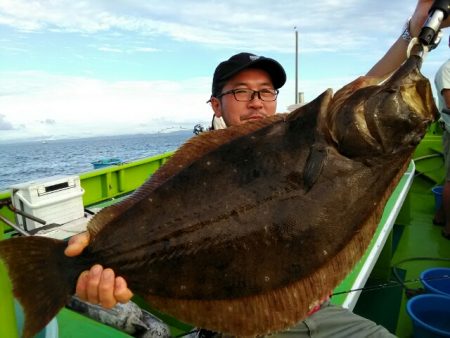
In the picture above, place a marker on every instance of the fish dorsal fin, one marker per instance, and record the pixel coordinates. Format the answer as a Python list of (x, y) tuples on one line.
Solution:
[(198, 146), (192, 150)]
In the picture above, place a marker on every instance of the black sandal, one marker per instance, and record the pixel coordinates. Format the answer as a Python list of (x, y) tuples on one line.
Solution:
[(445, 235), (439, 224)]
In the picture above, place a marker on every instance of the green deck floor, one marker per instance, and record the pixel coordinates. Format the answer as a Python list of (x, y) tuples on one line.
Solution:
[(418, 237)]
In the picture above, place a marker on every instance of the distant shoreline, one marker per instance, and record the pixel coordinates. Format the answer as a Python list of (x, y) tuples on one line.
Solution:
[(45, 140)]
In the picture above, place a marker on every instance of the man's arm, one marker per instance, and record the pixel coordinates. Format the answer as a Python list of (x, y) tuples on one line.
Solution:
[(396, 55)]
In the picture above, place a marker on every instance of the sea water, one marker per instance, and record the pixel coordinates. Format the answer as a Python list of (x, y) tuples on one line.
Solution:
[(26, 161)]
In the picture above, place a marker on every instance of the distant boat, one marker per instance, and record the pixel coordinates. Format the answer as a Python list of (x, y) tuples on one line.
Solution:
[(106, 162)]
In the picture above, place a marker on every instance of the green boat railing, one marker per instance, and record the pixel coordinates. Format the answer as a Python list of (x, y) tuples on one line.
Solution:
[(111, 182)]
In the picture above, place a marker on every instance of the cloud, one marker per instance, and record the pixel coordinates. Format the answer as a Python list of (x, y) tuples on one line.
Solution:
[(4, 124), (48, 121), (147, 50), (47, 105), (128, 50), (326, 25), (110, 49), (64, 106)]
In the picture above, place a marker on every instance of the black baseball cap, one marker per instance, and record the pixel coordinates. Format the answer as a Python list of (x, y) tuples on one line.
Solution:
[(241, 61)]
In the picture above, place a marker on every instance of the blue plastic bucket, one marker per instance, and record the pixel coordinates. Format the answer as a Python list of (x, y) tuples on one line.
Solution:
[(430, 315), (437, 192), (436, 280)]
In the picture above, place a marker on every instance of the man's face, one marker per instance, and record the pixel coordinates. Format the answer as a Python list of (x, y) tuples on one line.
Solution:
[(235, 112)]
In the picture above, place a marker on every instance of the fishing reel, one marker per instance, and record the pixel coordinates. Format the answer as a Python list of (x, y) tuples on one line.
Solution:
[(431, 35)]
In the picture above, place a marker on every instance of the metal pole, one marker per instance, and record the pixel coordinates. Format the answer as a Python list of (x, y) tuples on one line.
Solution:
[(12, 225), (296, 65)]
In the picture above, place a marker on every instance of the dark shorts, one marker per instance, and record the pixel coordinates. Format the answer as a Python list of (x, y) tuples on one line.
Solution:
[(446, 149)]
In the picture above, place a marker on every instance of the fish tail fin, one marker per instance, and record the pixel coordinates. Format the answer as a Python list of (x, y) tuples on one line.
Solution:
[(42, 277)]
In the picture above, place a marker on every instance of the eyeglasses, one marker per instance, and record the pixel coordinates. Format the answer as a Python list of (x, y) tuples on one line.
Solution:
[(247, 95)]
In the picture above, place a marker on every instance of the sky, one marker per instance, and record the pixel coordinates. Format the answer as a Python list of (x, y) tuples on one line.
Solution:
[(72, 69)]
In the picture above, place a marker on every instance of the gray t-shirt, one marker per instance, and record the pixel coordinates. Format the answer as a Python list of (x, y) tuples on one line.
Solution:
[(442, 81)]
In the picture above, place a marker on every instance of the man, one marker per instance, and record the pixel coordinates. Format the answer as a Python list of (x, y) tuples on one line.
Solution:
[(442, 82), (241, 94), (244, 89)]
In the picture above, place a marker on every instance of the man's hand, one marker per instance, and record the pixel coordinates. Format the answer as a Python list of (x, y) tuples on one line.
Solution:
[(98, 285), (77, 244)]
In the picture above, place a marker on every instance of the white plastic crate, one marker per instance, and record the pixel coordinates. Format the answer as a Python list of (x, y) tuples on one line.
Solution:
[(55, 199)]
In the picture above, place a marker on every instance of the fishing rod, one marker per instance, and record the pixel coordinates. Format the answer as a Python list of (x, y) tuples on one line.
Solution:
[(399, 282), (392, 284)]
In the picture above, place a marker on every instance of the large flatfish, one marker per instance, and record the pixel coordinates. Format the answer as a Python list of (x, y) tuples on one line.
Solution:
[(246, 229)]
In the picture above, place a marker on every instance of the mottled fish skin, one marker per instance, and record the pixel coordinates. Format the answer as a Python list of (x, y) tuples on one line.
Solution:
[(245, 229)]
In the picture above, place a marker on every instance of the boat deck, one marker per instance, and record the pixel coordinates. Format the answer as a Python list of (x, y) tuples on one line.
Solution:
[(414, 237)]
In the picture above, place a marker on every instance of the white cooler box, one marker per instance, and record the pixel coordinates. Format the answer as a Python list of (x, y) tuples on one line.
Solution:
[(56, 199)]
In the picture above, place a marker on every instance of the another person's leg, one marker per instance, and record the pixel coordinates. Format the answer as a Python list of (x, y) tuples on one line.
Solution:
[(446, 189), (446, 208)]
